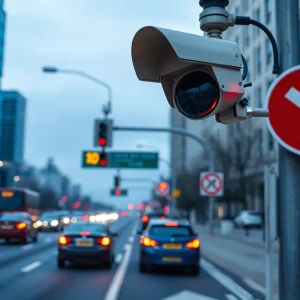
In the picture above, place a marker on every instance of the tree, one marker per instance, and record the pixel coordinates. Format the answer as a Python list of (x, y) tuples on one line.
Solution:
[(234, 158), (49, 199)]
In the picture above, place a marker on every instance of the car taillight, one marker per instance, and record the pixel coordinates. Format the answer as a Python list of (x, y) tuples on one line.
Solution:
[(147, 242), (64, 240), (21, 225), (145, 219), (104, 241), (194, 244), (85, 218)]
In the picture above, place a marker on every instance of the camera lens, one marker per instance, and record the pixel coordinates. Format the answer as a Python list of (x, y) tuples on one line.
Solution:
[(196, 94)]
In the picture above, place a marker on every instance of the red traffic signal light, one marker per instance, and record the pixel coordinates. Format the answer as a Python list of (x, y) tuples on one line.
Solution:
[(102, 141), (102, 134), (118, 192), (103, 160)]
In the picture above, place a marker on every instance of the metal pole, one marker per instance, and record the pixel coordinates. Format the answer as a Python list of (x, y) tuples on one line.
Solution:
[(106, 109), (183, 132), (288, 35)]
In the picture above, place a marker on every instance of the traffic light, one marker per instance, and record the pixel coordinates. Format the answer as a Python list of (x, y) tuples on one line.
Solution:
[(103, 133), (200, 76), (118, 192), (117, 181), (103, 159)]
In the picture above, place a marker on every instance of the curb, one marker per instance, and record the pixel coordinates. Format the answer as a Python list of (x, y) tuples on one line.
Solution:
[(17, 257)]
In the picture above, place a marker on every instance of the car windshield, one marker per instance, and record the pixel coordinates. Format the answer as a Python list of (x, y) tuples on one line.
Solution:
[(254, 213), (161, 230), (11, 217), (90, 227)]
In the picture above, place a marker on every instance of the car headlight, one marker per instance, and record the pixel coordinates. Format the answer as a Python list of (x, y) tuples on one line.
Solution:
[(73, 220), (39, 223), (92, 218), (45, 223), (54, 223), (66, 220)]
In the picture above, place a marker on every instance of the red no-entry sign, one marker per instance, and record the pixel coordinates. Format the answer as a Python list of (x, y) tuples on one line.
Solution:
[(283, 102)]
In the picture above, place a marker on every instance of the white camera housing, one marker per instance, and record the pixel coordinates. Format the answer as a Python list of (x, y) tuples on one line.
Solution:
[(166, 56)]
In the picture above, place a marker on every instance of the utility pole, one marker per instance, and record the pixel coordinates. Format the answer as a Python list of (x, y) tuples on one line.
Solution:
[(288, 36)]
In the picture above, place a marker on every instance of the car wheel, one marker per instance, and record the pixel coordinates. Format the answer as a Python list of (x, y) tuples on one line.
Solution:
[(195, 270), (34, 239), (142, 268), (61, 263)]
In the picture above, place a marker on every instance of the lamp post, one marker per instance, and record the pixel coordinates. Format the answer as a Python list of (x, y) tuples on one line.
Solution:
[(106, 108)]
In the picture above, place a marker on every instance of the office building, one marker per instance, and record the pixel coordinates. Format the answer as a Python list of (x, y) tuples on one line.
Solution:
[(12, 126), (2, 36)]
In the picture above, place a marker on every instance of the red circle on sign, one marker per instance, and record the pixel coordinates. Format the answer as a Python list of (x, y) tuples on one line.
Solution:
[(283, 102), (206, 177)]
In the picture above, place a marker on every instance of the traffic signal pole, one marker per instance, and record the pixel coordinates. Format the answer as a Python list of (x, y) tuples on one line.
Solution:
[(288, 35), (197, 139)]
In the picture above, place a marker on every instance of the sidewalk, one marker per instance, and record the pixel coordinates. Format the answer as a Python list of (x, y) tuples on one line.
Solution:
[(234, 253)]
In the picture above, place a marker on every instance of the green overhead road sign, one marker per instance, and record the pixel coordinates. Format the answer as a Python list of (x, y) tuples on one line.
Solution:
[(118, 192), (120, 160), (134, 160)]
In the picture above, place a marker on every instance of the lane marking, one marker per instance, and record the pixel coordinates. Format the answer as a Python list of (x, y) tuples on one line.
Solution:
[(224, 280), (27, 247), (119, 258), (116, 284), (31, 267), (255, 286), (126, 247), (231, 297), (131, 239)]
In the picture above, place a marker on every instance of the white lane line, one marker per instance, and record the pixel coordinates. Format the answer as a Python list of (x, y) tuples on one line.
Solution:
[(224, 280), (31, 267), (116, 284), (119, 258), (27, 247), (255, 286), (126, 247), (231, 297), (131, 239)]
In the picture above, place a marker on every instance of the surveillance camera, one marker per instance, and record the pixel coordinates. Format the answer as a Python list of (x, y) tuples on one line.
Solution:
[(200, 76)]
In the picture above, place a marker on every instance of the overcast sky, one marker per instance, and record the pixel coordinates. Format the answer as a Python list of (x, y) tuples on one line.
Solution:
[(93, 36)]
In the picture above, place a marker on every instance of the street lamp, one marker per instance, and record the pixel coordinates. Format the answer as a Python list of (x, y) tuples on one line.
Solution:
[(106, 109)]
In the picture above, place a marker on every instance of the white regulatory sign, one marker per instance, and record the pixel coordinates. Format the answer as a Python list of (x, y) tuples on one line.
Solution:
[(211, 184)]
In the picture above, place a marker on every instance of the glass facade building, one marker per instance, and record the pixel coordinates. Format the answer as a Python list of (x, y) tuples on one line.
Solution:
[(2, 35), (12, 126)]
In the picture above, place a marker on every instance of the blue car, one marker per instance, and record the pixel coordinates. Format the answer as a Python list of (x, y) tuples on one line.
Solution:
[(169, 243)]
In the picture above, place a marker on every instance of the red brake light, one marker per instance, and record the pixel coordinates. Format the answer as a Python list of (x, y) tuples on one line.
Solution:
[(147, 242), (85, 233), (193, 244), (85, 218), (104, 241), (21, 225), (162, 217), (145, 219), (171, 224), (64, 240)]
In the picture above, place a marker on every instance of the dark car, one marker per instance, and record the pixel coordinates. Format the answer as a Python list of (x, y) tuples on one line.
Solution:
[(17, 225), (147, 217), (170, 243), (86, 242), (51, 221)]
